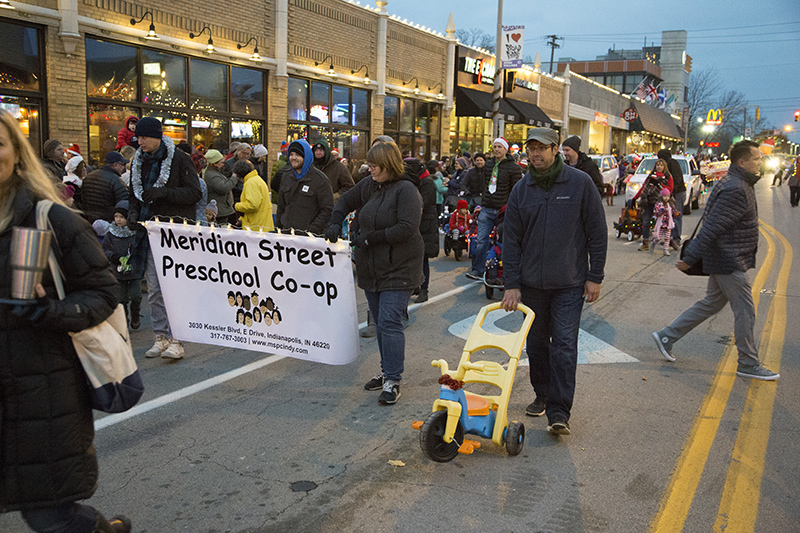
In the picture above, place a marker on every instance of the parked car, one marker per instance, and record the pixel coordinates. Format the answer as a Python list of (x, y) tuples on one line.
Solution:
[(691, 177), (608, 168)]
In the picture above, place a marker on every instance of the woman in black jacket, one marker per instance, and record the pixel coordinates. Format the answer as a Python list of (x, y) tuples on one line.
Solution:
[(388, 254), (429, 224), (47, 459)]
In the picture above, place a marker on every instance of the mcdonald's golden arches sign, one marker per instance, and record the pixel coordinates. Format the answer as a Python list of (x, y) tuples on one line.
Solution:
[(715, 117)]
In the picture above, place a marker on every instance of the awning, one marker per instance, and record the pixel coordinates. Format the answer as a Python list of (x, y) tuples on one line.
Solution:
[(473, 103), (531, 114), (654, 120)]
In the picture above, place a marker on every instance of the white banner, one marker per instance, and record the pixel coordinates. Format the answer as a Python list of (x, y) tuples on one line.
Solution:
[(284, 294), (511, 53)]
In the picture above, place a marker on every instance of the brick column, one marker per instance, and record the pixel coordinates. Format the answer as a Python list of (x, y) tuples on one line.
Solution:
[(66, 92)]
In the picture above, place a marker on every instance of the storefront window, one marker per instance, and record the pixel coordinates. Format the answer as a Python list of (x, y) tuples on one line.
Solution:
[(111, 71), (105, 121), (320, 99), (295, 132), (208, 86), (406, 115), (20, 65), (211, 132), (207, 117), (422, 121), (297, 99), (360, 108), (27, 113), (341, 105), (247, 91), (163, 79), (391, 106)]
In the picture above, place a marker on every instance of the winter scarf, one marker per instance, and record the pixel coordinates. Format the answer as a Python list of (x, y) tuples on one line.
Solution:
[(160, 164), (547, 179)]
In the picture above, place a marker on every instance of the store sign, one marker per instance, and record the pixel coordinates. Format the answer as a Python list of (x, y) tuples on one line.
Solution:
[(511, 51), (480, 68), (715, 117), (600, 118), (630, 114), (525, 84), (152, 69)]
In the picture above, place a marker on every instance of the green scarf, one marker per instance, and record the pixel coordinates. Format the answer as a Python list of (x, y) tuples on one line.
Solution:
[(547, 179)]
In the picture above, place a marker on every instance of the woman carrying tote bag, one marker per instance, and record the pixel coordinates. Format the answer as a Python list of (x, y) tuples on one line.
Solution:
[(49, 465)]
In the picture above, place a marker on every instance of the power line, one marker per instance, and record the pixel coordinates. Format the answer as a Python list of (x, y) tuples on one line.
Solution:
[(704, 30)]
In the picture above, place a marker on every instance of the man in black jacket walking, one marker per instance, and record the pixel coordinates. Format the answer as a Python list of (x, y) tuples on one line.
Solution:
[(575, 158), (726, 244), (502, 174)]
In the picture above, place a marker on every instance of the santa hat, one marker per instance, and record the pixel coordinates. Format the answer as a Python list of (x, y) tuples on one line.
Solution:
[(74, 149), (501, 141)]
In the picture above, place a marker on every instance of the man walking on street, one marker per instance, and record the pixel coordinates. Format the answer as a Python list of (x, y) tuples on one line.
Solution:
[(503, 174), (575, 158), (554, 253), (163, 183), (103, 189), (678, 194), (726, 244)]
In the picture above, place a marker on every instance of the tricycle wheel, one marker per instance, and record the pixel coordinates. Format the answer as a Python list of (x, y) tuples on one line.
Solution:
[(430, 438), (446, 247), (457, 253), (489, 292), (515, 437), (617, 233), (631, 235)]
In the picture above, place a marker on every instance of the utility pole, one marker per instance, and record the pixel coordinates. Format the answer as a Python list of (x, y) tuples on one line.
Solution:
[(553, 45), (498, 124)]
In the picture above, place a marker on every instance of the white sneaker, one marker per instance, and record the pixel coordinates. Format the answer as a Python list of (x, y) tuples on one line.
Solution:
[(174, 351), (161, 344)]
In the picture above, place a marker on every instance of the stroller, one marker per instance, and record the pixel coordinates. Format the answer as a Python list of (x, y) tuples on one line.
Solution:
[(630, 223), (493, 275), (456, 234)]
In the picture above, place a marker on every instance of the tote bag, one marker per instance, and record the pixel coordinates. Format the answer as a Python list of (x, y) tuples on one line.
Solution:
[(104, 350)]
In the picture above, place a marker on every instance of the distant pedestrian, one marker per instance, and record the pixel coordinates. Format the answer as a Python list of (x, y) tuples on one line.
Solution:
[(126, 136), (255, 205), (220, 187), (336, 172), (54, 159), (119, 246), (726, 244), (575, 158), (794, 183), (103, 189), (678, 193), (665, 215)]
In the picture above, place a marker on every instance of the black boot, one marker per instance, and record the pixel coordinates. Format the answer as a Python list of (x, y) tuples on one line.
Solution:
[(135, 318), (423, 296)]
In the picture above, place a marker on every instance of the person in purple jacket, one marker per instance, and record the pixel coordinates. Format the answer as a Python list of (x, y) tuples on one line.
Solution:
[(554, 252)]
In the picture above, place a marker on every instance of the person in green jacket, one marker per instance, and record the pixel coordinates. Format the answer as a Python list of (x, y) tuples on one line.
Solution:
[(438, 180)]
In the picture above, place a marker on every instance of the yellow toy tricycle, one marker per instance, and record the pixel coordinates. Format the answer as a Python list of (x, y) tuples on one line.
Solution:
[(457, 412)]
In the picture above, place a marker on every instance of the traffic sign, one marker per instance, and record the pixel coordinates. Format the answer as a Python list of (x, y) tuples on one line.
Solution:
[(747, 131)]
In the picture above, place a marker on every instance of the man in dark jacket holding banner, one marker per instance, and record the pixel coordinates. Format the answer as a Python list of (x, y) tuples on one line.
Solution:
[(164, 183), (726, 244), (554, 253)]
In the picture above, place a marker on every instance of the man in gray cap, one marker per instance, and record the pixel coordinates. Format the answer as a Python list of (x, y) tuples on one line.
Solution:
[(554, 253)]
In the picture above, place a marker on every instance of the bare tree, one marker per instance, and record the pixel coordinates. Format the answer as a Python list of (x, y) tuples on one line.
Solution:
[(702, 90), (476, 37)]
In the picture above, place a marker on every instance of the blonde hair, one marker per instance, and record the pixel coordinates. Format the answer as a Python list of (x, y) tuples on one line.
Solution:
[(28, 168), (387, 156)]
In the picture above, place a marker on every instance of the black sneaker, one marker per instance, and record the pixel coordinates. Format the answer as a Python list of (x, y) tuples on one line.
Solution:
[(136, 321), (536, 408), (559, 426), (757, 372), (391, 392), (474, 274), (375, 383)]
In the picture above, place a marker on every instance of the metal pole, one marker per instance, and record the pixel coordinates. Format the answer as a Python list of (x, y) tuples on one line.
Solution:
[(497, 121)]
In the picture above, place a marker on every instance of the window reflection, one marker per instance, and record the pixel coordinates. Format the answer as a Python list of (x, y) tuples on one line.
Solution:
[(208, 86), (319, 102), (110, 70), (20, 67), (247, 91), (163, 79)]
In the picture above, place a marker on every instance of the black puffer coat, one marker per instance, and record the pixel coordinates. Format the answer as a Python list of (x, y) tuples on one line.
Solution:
[(508, 174), (393, 208), (475, 181), (429, 224), (46, 426), (728, 238), (102, 190), (587, 164)]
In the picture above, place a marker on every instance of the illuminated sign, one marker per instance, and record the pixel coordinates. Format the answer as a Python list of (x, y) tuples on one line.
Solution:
[(715, 117), (151, 69), (525, 84), (481, 68), (600, 118), (630, 114)]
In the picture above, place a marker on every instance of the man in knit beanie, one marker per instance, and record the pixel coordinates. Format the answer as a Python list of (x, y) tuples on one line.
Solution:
[(575, 158)]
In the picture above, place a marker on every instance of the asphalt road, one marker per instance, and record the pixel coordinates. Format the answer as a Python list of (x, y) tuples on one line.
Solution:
[(296, 446)]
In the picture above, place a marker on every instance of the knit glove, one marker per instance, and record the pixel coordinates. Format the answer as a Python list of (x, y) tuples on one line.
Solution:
[(133, 222), (333, 232), (153, 194)]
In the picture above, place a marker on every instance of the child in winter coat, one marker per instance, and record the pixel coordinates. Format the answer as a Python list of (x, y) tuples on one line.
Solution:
[(118, 245), (461, 219), (665, 213)]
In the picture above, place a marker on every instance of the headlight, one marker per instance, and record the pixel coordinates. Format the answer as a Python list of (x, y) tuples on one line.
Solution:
[(635, 186), (772, 163)]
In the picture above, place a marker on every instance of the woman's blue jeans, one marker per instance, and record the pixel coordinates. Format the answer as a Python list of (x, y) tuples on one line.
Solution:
[(388, 308)]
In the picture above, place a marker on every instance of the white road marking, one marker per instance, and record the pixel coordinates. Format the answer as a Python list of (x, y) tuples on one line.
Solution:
[(591, 350), (179, 394)]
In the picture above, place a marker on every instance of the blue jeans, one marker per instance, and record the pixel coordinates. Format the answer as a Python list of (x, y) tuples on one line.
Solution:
[(680, 199), (64, 518), (486, 221), (388, 308), (552, 345), (158, 311)]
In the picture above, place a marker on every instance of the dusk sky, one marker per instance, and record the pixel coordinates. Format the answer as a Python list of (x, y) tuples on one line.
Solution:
[(755, 46)]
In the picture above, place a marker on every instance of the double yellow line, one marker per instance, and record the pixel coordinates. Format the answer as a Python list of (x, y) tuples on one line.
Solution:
[(739, 506)]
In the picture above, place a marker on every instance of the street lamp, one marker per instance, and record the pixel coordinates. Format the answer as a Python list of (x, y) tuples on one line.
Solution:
[(210, 46), (331, 72), (255, 57), (151, 33), (416, 87)]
